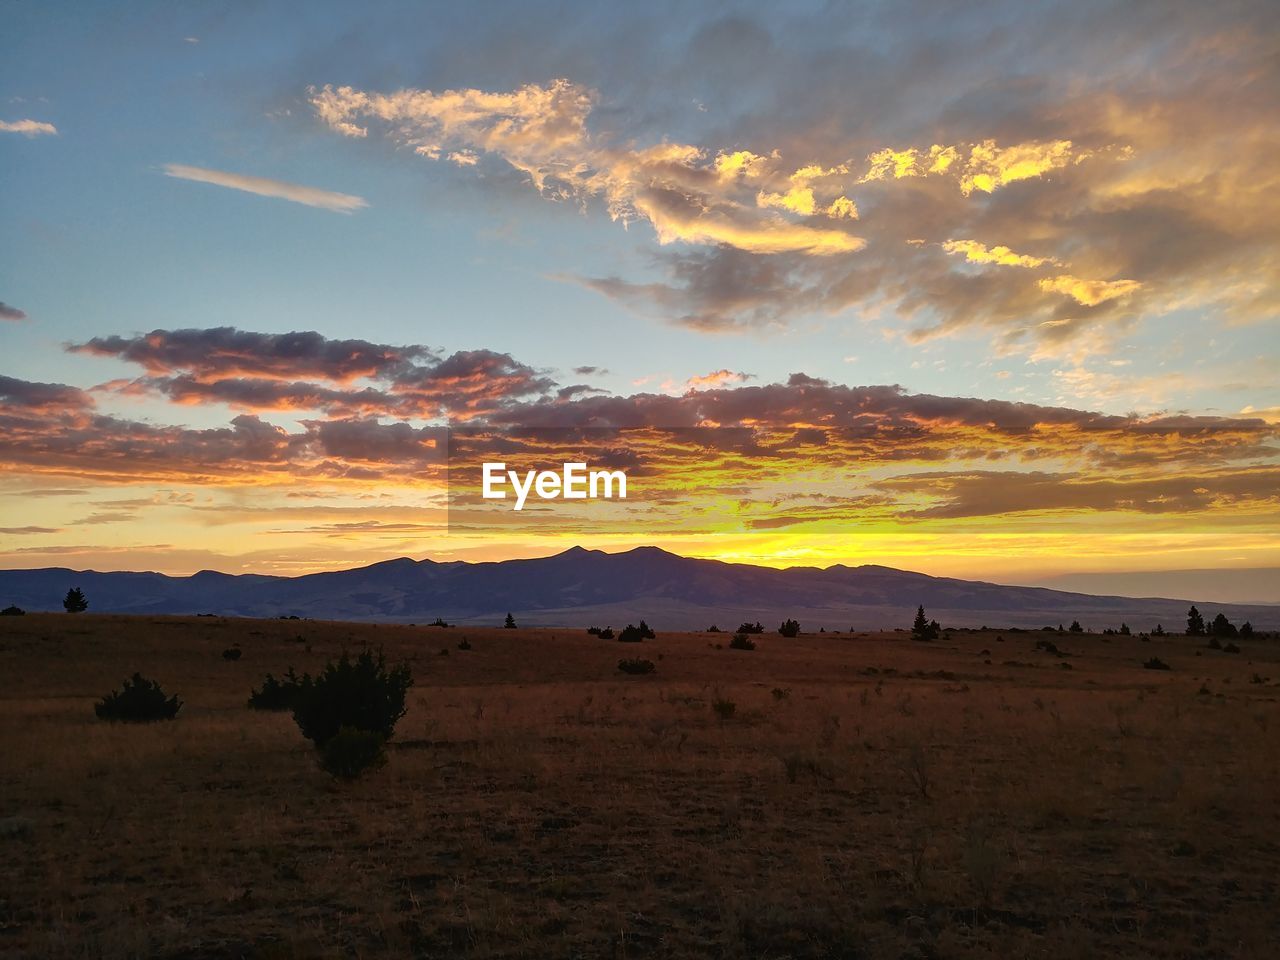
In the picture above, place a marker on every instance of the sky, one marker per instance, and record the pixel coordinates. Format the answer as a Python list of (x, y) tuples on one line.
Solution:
[(992, 288)]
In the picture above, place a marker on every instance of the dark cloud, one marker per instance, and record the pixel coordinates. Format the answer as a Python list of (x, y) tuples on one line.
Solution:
[(10, 313), (221, 352), (255, 372)]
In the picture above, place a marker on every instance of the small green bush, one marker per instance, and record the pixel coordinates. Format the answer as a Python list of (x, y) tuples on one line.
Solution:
[(350, 752), (278, 694), (636, 666), (361, 693), (632, 634), (741, 641), (138, 700)]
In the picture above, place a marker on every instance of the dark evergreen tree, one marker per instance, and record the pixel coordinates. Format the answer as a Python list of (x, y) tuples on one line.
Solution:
[(1195, 623), (510, 623), (74, 601)]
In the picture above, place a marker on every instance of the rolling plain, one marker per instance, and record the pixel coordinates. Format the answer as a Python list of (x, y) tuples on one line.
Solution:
[(994, 793)]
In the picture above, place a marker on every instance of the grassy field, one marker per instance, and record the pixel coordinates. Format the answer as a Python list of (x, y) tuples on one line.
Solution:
[(869, 796)]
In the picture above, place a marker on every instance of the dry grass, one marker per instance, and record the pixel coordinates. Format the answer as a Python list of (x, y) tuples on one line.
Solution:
[(892, 799)]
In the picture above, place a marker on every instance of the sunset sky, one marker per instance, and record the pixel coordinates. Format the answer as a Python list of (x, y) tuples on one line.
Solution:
[(992, 289)]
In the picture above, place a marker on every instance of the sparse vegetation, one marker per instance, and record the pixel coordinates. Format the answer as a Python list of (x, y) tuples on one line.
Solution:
[(789, 628), (741, 641), (1155, 663), (352, 751), (750, 628), (138, 700), (563, 760), (12, 611), (360, 694), (632, 634), (277, 694)]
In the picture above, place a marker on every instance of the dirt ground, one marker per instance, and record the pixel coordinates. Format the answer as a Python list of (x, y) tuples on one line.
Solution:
[(869, 796)]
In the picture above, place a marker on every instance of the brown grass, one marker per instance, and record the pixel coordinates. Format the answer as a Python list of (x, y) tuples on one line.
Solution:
[(894, 799)]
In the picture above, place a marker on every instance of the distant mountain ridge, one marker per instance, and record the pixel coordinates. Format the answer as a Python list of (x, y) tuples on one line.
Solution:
[(580, 586)]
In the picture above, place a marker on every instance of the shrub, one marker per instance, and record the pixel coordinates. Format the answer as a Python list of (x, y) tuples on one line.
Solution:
[(439, 622), (781, 693), (789, 628), (231, 653), (594, 631), (1230, 648), (632, 634), (741, 641), (276, 694), (12, 611), (636, 666), (724, 709), (1214, 643), (464, 644), (606, 633), (138, 700), (351, 751), (362, 694), (1155, 663), (713, 629), (1048, 646), (1075, 627), (751, 628)]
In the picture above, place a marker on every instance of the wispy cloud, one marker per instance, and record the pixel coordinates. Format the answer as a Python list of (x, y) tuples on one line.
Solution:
[(265, 187), (11, 313), (29, 128)]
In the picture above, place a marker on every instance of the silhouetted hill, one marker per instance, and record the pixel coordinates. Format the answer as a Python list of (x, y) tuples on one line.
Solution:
[(580, 586)]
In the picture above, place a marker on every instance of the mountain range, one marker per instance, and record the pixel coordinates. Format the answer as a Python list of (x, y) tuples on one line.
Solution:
[(580, 587)]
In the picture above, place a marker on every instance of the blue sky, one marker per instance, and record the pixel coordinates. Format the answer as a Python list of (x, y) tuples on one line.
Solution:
[(1066, 205)]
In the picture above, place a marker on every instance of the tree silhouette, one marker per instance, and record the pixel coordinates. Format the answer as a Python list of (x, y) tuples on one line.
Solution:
[(510, 622), (789, 628), (923, 628), (1195, 623), (1075, 627), (1222, 627), (74, 601)]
